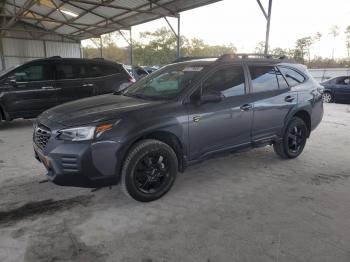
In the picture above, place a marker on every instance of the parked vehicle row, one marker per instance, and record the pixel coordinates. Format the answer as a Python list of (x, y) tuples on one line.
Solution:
[(28, 90), (178, 116)]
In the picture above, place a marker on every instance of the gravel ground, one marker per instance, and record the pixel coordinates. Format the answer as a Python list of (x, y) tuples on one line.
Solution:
[(250, 206)]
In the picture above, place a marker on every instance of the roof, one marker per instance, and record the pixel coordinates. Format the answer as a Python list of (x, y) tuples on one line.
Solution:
[(82, 19)]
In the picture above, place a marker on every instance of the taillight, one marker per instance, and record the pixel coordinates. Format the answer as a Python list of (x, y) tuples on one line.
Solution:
[(132, 80)]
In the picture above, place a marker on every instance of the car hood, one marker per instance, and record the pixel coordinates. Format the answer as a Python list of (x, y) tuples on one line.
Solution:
[(93, 110)]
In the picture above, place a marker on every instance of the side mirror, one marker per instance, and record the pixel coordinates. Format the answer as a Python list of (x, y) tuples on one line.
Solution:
[(12, 80), (210, 98)]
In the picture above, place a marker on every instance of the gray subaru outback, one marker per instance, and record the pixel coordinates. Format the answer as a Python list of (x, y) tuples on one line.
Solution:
[(175, 117)]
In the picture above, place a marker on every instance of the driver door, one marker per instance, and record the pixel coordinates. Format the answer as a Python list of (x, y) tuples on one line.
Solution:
[(216, 126)]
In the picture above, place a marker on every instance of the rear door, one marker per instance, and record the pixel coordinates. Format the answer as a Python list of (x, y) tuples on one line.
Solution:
[(33, 90), (273, 99), (342, 89), (73, 81)]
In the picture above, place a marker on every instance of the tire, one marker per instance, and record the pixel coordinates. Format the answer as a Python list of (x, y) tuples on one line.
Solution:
[(327, 97), (149, 170), (294, 139)]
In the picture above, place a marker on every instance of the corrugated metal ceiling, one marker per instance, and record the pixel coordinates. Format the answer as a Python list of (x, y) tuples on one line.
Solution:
[(81, 19)]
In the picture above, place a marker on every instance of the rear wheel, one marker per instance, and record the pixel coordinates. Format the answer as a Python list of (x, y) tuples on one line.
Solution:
[(149, 170), (327, 97), (294, 139)]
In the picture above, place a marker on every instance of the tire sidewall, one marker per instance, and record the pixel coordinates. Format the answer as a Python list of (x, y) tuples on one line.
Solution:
[(294, 122), (128, 174), (330, 95)]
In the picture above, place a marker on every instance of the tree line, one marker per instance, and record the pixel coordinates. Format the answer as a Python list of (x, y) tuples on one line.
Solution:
[(302, 50), (159, 48)]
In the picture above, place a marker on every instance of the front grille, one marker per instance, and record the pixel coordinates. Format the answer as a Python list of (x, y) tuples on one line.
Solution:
[(42, 135)]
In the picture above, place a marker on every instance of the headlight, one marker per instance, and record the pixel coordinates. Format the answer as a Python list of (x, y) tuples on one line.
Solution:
[(78, 133), (85, 132)]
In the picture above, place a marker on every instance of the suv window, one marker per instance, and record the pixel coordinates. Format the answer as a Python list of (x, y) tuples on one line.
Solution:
[(97, 70), (227, 81), (263, 78), (343, 81), (293, 77), (66, 71), (31, 73)]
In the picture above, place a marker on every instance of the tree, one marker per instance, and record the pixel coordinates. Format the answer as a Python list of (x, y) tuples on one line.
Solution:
[(347, 40), (155, 48), (317, 38), (260, 48), (302, 47), (334, 31)]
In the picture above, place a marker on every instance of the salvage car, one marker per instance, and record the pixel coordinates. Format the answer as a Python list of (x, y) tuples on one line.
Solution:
[(179, 115)]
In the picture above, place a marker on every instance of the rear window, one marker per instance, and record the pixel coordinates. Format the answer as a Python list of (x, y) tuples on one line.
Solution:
[(96, 70), (263, 78), (293, 77)]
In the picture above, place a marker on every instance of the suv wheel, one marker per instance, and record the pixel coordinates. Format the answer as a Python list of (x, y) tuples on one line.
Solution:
[(294, 139), (327, 97), (149, 170)]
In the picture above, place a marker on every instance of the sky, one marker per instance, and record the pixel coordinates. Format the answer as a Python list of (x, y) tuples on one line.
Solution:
[(242, 23)]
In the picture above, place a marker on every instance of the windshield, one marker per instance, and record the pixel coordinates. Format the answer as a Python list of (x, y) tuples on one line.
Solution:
[(167, 83)]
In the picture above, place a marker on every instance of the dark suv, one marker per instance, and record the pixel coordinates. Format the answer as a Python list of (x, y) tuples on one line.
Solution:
[(30, 89), (179, 115)]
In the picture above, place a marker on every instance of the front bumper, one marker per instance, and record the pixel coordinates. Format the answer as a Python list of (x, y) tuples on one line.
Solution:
[(81, 164)]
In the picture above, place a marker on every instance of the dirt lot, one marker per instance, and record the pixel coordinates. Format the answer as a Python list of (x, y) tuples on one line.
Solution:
[(250, 206)]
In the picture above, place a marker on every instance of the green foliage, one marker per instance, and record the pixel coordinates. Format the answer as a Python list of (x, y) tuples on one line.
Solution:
[(347, 40), (156, 48)]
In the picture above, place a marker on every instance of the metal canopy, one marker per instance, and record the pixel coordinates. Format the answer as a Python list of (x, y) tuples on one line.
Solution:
[(83, 19)]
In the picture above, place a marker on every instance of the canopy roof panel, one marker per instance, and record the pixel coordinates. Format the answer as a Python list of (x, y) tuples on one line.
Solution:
[(82, 19)]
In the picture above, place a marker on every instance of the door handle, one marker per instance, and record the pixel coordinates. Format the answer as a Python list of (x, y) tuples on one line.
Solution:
[(196, 118), (47, 87), (246, 107), (289, 98), (88, 85)]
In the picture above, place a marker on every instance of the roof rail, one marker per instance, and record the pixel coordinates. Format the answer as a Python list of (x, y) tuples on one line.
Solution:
[(55, 56), (229, 57), (188, 58), (251, 55)]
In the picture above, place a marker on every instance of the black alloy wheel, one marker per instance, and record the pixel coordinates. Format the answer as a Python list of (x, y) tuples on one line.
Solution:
[(294, 139), (149, 170)]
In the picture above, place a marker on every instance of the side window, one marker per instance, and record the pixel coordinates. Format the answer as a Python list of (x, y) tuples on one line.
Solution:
[(342, 81), (281, 80), (293, 77), (347, 81), (227, 81), (31, 73), (94, 70), (263, 78), (66, 71), (110, 70)]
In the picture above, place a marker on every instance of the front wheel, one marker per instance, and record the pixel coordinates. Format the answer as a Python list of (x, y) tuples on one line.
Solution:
[(149, 170), (294, 139)]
